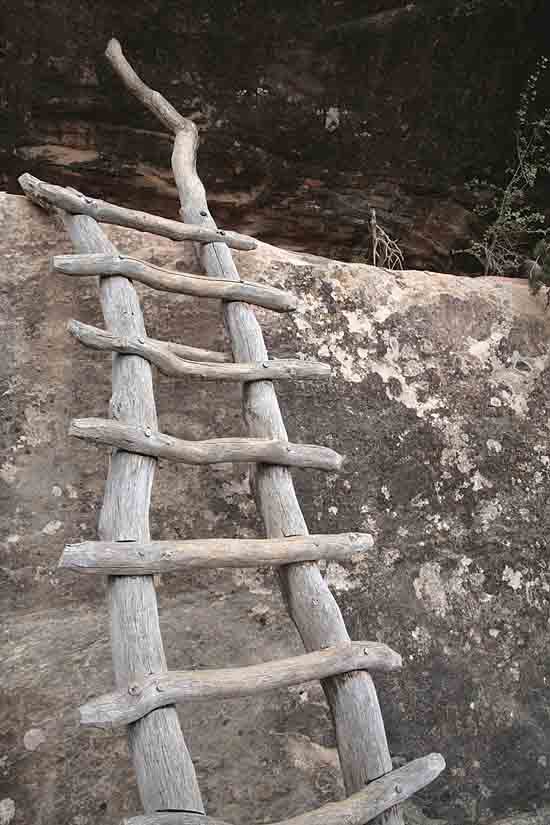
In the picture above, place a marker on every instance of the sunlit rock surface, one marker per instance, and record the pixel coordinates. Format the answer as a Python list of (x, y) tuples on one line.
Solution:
[(439, 399)]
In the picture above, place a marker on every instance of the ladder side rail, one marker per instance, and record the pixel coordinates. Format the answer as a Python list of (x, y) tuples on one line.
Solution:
[(359, 726), (164, 770)]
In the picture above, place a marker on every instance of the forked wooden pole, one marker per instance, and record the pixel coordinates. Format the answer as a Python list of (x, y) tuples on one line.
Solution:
[(194, 353), (163, 354), (146, 441), (166, 360), (360, 733), (164, 770)]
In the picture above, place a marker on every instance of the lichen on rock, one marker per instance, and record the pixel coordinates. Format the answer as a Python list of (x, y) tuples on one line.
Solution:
[(452, 486)]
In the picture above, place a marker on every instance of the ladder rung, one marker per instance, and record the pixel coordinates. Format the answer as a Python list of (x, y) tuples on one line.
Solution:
[(161, 689), (358, 809), (200, 286), (194, 353), (176, 818), (76, 203), (127, 558), (146, 441), (171, 364)]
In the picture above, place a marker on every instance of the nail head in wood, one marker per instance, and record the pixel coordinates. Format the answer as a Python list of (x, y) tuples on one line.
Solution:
[(212, 451), (165, 356), (75, 203), (117, 708), (183, 283), (359, 808)]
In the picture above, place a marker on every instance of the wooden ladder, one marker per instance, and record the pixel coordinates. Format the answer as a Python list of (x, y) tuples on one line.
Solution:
[(146, 691)]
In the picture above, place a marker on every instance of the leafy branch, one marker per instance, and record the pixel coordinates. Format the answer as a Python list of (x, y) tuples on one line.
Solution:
[(514, 222)]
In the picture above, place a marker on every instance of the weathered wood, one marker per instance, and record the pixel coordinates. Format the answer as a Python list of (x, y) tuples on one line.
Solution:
[(137, 558), (154, 101), (171, 364), (174, 818), (125, 706), (164, 770), (360, 733), (146, 441), (166, 280), (358, 809), (75, 203), (194, 353)]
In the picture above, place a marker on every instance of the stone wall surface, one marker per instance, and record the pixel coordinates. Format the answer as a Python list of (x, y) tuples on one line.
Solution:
[(439, 399), (311, 112)]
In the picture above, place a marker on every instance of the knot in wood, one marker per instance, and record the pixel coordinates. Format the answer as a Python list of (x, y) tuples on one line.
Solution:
[(398, 789), (134, 689), (366, 651), (159, 688), (203, 213), (141, 339), (148, 432)]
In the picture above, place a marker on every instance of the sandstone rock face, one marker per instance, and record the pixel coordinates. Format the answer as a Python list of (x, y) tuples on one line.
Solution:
[(310, 112), (439, 399)]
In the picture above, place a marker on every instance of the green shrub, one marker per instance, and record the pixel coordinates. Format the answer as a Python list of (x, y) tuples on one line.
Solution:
[(514, 223)]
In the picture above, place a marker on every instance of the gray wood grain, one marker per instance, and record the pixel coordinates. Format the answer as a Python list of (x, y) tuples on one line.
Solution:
[(194, 353), (362, 807), (146, 441), (75, 203), (171, 364), (360, 733), (141, 697), (167, 280), (359, 726), (129, 558), (174, 818), (164, 770)]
